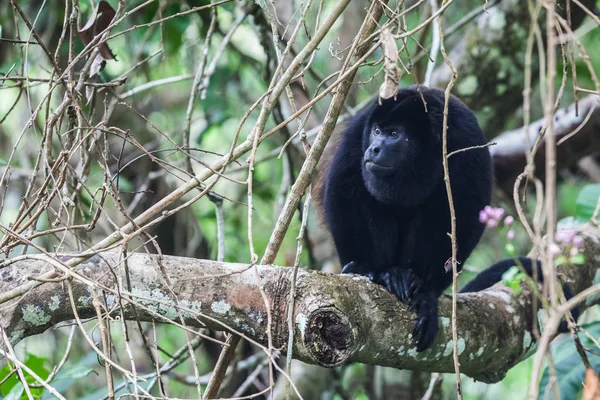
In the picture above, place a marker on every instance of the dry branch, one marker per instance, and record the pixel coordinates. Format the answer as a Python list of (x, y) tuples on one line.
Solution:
[(339, 318)]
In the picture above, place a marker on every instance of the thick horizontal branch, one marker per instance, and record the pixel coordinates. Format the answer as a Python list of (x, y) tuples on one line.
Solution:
[(578, 127), (339, 318)]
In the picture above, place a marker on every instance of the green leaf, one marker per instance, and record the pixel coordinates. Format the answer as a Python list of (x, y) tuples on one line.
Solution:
[(3, 163), (67, 378), (74, 373), (569, 223), (510, 275), (570, 371), (578, 259), (587, 201), (512, 279), (13, 387), (16, 392), (9, 383), (560, 260)]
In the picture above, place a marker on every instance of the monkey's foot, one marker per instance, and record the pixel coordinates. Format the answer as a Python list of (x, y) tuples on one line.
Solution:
[(402, 283), (426, 329)]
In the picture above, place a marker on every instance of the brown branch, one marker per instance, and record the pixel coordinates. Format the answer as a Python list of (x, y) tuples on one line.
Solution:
[(339, 318), (576, 137)]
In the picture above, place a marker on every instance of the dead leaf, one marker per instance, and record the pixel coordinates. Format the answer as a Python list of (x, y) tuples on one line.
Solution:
[(448, 265), (100, 20), (591, 386), (97, 65), (389, 87)]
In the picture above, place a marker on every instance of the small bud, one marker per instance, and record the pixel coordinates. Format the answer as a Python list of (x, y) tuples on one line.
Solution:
[(574, 251), (498, 213), (510, 235), (508, 221), (578, 241), (483, 216), (492, 223)]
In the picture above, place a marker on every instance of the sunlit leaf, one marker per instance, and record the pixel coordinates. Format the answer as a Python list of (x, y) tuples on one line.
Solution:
[(570, 371), (578, 259), (560, 260), (587, 201)]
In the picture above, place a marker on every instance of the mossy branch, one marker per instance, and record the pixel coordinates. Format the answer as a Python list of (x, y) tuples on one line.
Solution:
[(339, 318)]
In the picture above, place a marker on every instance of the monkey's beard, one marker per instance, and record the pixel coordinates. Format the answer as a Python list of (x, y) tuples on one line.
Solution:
[(392, 189)]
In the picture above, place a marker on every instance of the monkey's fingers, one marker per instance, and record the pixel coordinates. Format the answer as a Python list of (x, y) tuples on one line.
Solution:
[(397, 282), (426, 327), (395, 285), (407, 284), (415, 286)]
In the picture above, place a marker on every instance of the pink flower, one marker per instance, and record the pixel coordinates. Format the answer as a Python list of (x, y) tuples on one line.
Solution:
[(554, 249), (483, 217), (508, 221), (578, 241), (492, 223), (565, 237), (498, 213), (510, 235), (574, 251)]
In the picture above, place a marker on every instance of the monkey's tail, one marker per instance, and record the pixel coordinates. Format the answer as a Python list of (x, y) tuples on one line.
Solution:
[(493, 274)]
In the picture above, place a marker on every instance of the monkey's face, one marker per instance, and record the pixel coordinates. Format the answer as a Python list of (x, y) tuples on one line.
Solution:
[(388, 151), (401, 161)]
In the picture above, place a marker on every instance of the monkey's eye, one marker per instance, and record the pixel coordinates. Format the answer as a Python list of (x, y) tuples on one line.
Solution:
[(395, 134), (377, 131)]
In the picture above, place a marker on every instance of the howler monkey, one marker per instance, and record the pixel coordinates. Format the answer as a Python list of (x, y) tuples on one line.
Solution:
[(385, 198), (386, 203)]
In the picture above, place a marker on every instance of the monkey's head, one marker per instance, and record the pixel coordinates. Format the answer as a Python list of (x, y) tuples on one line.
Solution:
[(402, 149)]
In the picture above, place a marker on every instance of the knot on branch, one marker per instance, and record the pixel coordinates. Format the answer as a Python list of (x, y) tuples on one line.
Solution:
[(329, 337)]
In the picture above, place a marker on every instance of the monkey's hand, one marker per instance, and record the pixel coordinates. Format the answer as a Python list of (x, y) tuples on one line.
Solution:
[(402, 283), (425, 331)]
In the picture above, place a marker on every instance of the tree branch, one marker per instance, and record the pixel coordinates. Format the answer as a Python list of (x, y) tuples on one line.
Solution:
[(491, 63), (339, 318), (576, 135)]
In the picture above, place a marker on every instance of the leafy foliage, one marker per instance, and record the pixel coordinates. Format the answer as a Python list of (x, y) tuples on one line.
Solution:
[(587, 202), (570, 371)]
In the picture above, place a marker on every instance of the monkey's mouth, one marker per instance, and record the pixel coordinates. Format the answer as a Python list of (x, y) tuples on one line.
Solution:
[(375, 168)]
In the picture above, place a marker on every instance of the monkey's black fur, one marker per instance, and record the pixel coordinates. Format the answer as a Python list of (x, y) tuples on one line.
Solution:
[(385, 198), (386, 204)]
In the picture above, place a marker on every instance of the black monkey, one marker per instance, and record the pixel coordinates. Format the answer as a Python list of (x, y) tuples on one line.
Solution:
[(385, 198)]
